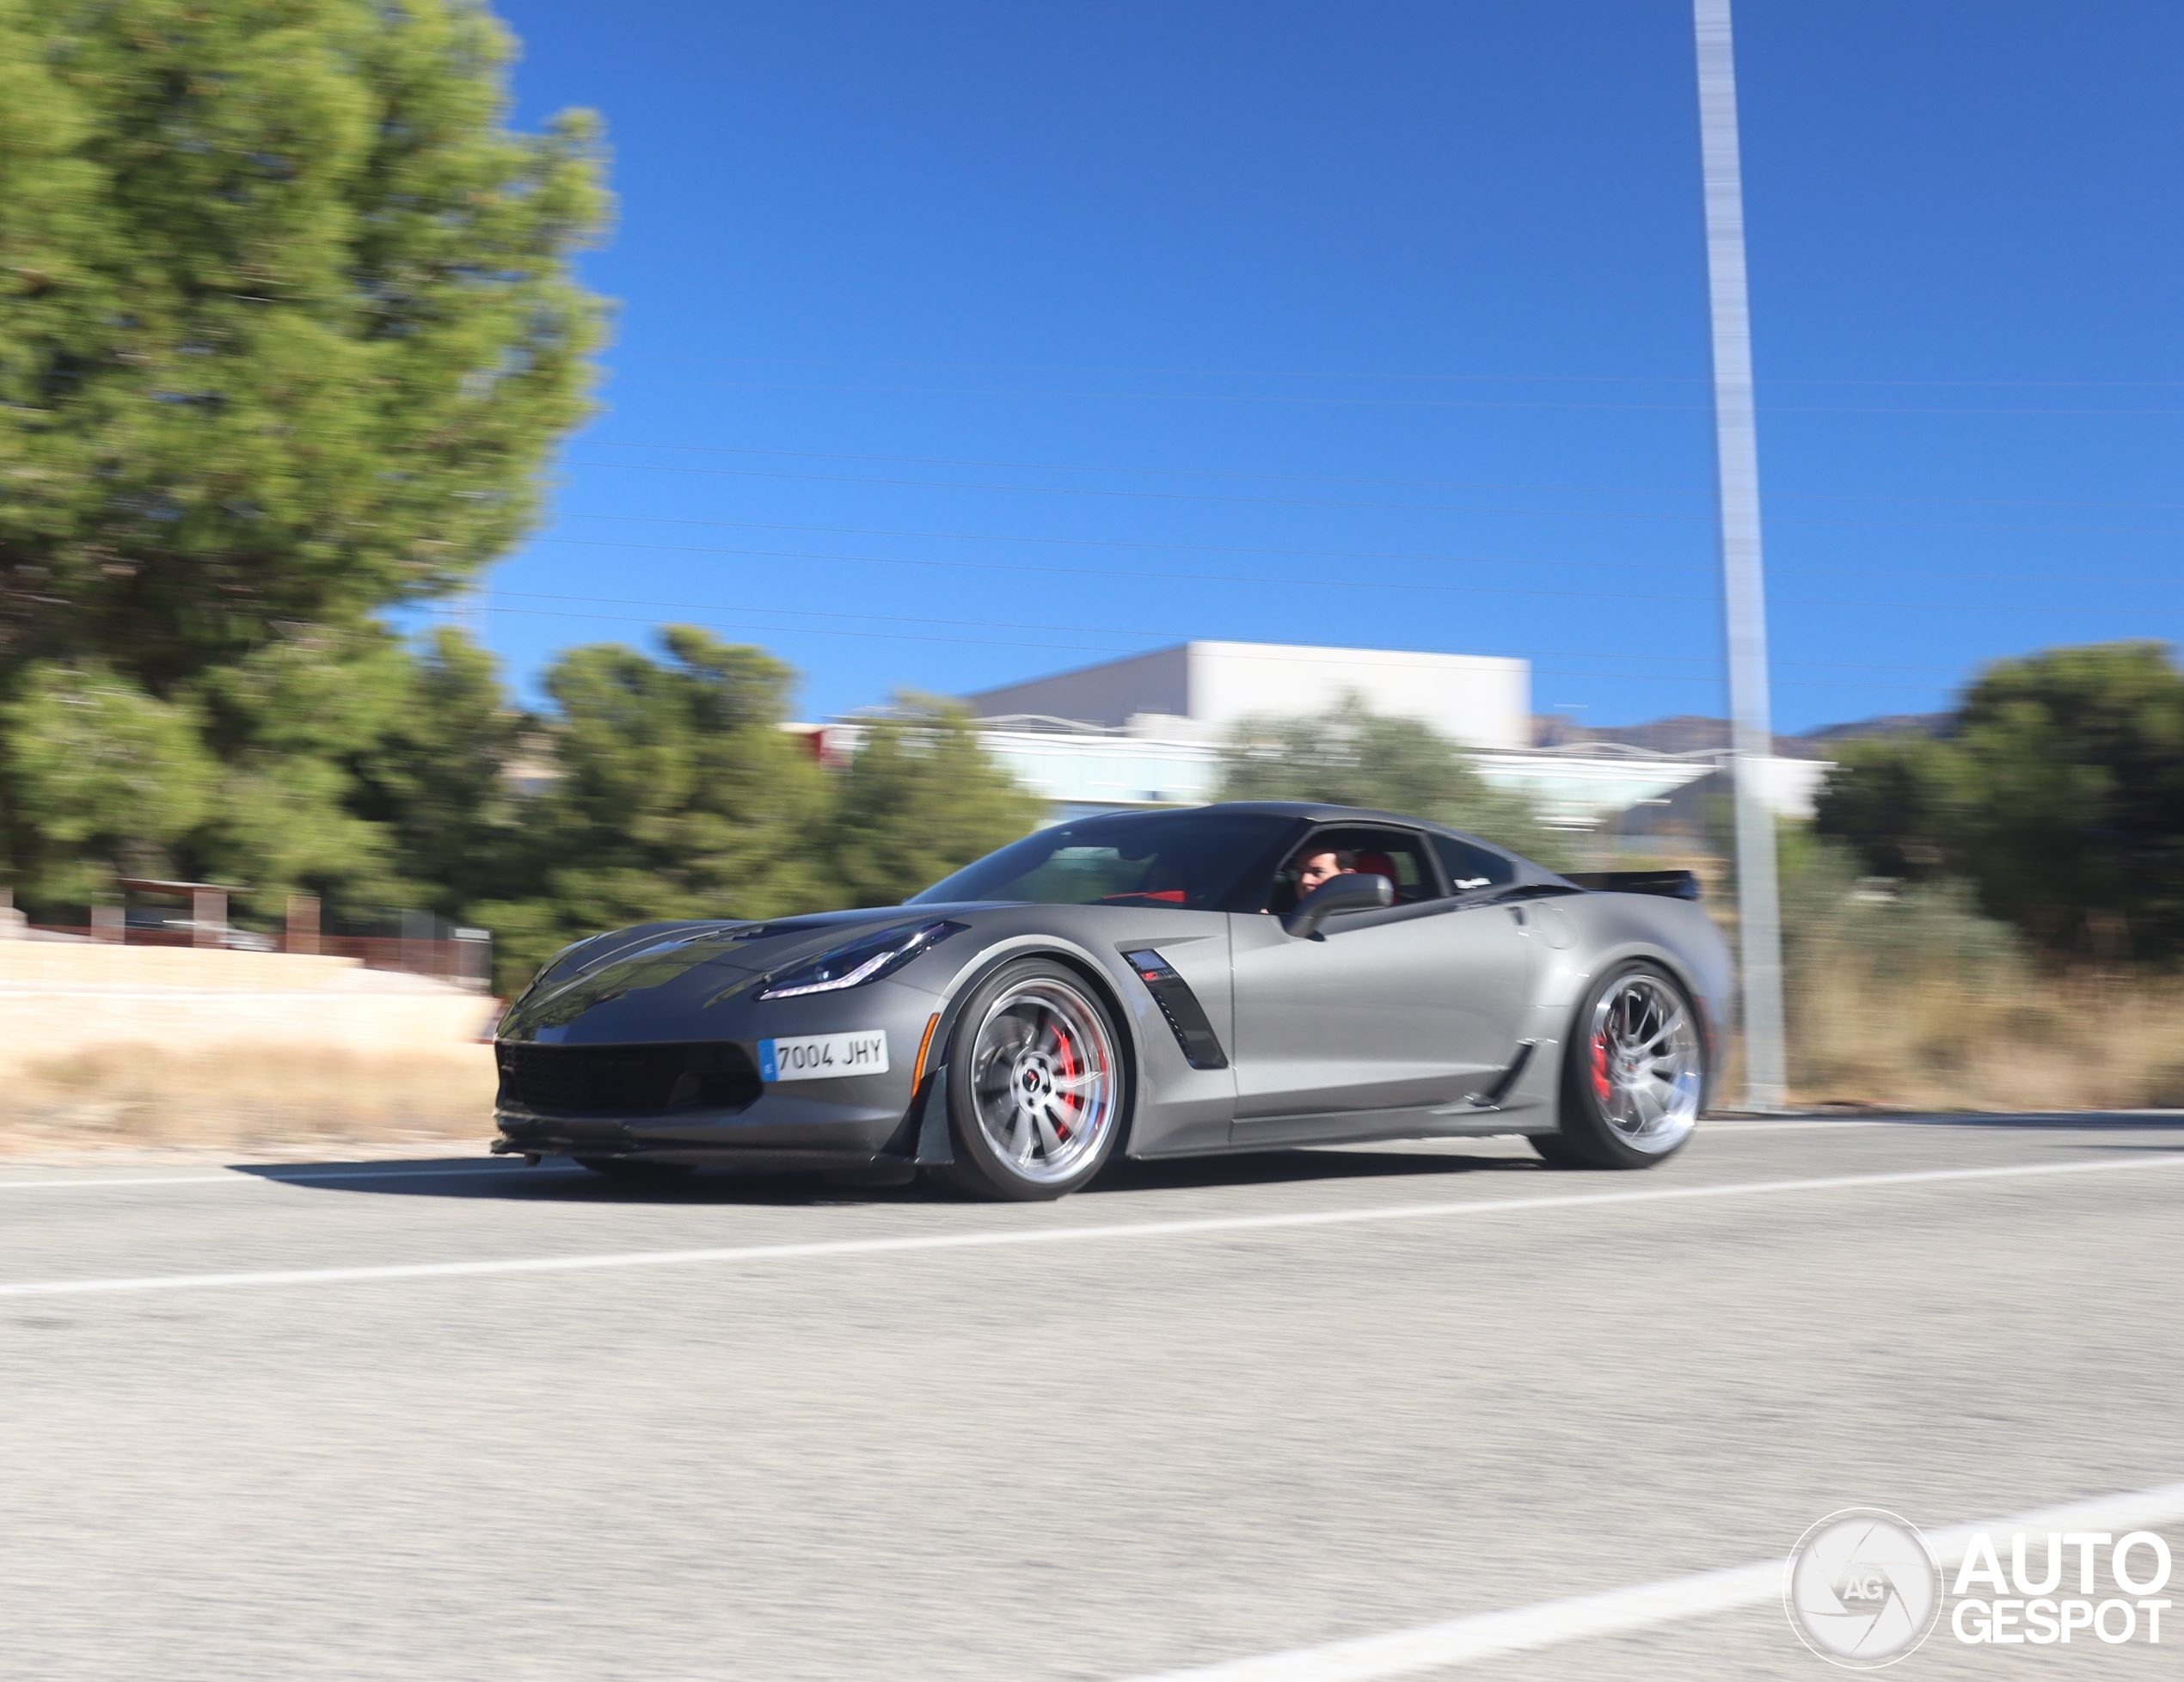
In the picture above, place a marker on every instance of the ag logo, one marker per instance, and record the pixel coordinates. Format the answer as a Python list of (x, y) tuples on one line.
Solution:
[(1863, 1588)]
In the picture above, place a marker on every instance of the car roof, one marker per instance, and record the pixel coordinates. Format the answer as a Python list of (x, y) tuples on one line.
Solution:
[(1321, 812)]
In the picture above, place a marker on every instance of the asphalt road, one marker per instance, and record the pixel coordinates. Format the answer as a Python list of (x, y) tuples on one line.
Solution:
[(469, 1420)]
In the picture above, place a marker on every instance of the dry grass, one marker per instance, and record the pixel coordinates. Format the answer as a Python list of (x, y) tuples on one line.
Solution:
[(1907, 998), (247, 1098), (2015, 1040)]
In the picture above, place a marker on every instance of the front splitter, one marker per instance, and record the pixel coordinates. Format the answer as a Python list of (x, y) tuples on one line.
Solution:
[(878, 1167)]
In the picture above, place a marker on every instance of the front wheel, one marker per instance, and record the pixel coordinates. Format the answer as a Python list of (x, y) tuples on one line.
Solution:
[(1633, 1075), (1037, 1094)]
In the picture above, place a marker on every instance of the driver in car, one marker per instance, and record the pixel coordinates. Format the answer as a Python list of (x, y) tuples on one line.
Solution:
[(1317, 865)]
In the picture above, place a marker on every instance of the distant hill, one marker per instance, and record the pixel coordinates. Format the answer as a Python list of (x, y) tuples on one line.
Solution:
[(1890, 724), (1691, 732)]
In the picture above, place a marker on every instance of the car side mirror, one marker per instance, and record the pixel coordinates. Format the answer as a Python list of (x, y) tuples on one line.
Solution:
[(1356, 892)]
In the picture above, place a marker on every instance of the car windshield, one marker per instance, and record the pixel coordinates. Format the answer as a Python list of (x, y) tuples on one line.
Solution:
[(1191, 859)]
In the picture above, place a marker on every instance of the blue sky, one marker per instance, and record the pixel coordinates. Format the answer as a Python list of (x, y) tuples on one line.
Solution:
[(958, 343)]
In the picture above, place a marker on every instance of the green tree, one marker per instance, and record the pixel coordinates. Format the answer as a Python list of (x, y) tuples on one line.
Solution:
[(920, 798), (1353, 756), (286, 722), (288, 326), (112, 777), (287, 319), (677, 793), (434, 776), (2059, 793)]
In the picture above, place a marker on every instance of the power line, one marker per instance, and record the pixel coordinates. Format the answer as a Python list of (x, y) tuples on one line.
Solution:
[(1144, 631), (1146, 472), (1350, 479), (1068, 490), (1286, 400), (1161, 575), (1156, 545), (1345, 505), (1114, 654), (1412, 376), (1164, 574)]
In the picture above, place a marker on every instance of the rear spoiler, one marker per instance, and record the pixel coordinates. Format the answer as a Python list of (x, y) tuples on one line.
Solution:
[(1670, 884)]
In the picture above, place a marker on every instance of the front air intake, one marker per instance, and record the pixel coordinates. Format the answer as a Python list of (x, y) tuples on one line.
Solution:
[(625, 1080)]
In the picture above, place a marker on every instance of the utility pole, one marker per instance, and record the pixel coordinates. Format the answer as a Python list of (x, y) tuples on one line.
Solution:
[(1744, 593)]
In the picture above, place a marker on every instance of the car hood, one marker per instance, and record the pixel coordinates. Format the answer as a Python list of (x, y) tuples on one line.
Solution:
[(622, 986)]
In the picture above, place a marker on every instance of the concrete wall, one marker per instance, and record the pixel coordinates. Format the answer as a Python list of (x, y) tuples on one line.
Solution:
[(59, 999)]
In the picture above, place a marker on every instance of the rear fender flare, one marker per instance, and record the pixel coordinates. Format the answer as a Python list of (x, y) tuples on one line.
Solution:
[(1570, 992)]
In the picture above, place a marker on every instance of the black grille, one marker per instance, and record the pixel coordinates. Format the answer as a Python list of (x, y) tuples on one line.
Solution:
[(626, 1080)]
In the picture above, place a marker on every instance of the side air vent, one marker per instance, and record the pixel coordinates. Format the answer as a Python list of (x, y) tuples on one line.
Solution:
[(1185, 1015)]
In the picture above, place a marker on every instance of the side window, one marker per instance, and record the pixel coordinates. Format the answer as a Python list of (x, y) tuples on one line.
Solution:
[(1398, 855), (1399, 858), (1471, 867)]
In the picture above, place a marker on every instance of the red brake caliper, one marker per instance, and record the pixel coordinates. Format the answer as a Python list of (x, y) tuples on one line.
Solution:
[(1600, 1067), (1069, 1072)]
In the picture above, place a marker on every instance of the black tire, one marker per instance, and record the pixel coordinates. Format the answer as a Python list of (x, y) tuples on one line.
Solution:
[(1553, 1150), (636, 1169), (1078, 1022), (1590, 1137)]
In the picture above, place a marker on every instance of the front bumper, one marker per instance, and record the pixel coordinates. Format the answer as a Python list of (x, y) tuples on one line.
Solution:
[(695, 1094)]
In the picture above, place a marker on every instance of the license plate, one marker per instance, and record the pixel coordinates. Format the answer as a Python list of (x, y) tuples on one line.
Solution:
[(823, 1056)]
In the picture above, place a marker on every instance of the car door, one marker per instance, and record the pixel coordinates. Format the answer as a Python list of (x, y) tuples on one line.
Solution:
[(1416, 1005)]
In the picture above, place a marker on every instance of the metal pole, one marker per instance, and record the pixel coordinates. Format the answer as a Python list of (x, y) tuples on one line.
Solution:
[(1744, 595)]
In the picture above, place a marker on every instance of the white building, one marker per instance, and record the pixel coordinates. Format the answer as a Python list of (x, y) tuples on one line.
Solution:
[(1147, 731), (1197, 690), (1081, 769)]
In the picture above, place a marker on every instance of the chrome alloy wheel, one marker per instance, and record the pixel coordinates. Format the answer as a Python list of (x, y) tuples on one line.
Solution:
[(1646, 1068), (1042, 1079)]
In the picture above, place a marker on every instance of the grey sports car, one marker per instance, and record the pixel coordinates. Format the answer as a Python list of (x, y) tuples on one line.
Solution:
[(1160, 983)]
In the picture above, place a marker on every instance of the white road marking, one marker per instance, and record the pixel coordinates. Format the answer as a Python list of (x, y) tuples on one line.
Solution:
[(1461, 1641), (2117, 1120), (1054, 1235), (88, 1182), (1727, 1129), (91, 1181), (261, 1177)]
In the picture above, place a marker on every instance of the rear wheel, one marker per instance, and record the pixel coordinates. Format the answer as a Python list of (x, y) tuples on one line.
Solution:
[(1633, 1075), (1037, 1096)]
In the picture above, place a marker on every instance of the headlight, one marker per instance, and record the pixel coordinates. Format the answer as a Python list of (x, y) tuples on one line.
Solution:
[(862, 960)]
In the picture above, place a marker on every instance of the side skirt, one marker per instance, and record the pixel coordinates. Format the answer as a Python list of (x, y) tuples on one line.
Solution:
[(1378, 1127)]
